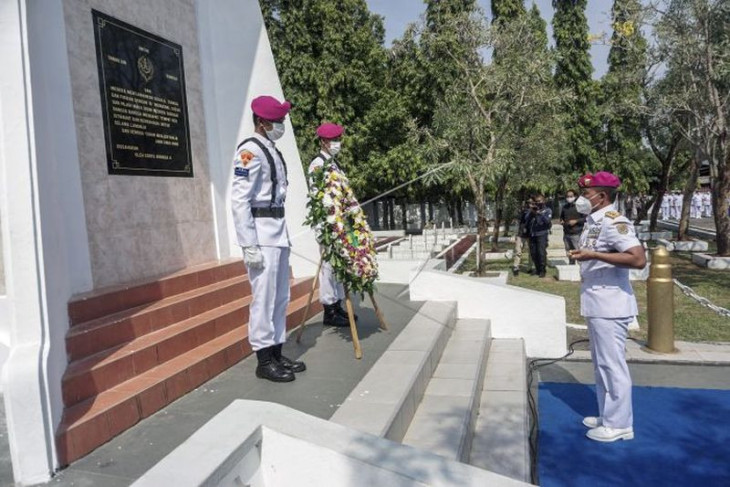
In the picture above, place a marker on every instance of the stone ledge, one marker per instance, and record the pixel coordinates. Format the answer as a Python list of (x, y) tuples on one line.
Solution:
[(260, 443), (385, 400), (684, 245), (712, 261)]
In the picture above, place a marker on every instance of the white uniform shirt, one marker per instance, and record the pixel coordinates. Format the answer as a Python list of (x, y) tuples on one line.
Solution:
[(605, 288), (706, 201), (252, 187), (696, 200)]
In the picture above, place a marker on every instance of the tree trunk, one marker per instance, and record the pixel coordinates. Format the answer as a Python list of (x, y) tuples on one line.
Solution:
[(656, 206), (481, 207), (391, 213), (423, 214), (498, 207), (459, 214), (404, 206), (430, 212), (689, 190), (720, 193), (376, 215)]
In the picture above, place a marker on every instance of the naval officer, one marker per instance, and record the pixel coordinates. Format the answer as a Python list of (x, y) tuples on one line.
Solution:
[(331, 292), (608, 249), (258, 195)]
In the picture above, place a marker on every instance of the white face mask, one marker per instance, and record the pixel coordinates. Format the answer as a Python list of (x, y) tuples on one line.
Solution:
[(335, 148), (276, 132), (584, 205), (570, 199)]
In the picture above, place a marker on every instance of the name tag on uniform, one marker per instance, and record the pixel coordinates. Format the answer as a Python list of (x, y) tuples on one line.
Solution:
[(594, 232), (241, 171)]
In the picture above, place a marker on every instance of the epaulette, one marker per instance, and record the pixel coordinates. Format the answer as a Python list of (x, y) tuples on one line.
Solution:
[(613, 214)]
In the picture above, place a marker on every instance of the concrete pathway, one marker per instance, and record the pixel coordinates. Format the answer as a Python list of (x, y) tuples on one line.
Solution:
[(332, 373)]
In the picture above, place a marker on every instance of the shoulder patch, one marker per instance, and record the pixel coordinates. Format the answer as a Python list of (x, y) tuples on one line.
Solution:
[(246, 157), (622, 228), (241, 172), (613, 214)]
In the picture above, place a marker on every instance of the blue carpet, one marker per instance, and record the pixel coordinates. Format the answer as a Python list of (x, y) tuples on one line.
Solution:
[(682, 438)]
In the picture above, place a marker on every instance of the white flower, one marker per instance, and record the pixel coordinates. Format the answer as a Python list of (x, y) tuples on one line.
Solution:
[(330, 219), (327, 201)]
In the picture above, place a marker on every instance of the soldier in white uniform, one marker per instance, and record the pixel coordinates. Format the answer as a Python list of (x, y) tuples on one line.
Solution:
[(608, 249), (664, 208), (331, 292), (258, 194), (706, 204), (696, 210)]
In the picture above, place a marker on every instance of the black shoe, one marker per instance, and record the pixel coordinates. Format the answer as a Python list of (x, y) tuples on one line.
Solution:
[(515, 271), (270, 369), (342, 312), (542, 274), (287, 363), (333, 318)]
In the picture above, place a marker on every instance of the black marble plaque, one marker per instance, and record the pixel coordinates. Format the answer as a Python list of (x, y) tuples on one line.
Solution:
[(142, 84)]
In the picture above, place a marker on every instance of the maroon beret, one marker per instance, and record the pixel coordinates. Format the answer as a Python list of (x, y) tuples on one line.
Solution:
[(269, 108), (601, 179), (329, 130)]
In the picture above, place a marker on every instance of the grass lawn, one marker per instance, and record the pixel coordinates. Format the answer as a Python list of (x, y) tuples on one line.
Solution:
[(692, 321)]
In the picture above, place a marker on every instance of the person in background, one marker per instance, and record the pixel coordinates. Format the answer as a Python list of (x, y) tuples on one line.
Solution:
[(539, 221), (706, 204), (572, 222), (696, 208), (522, 238)]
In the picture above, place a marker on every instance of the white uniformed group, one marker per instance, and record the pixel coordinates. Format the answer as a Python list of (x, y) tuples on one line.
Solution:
[(672, 204), (608, 248)]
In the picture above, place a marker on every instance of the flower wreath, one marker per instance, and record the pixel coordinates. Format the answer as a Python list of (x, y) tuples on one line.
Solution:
[(342, 230)]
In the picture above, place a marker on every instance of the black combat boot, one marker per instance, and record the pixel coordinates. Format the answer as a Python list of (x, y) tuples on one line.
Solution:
[(333, 318), (270, 369), (341, 311), (287, 363)]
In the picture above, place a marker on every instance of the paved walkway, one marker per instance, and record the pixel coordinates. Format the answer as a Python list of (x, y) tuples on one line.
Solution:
[(332, 373)]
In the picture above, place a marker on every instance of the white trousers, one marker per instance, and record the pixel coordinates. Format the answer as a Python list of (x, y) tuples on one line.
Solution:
[(696, 211), (613, 382), (330, 291), (270, 288), (708, 211)]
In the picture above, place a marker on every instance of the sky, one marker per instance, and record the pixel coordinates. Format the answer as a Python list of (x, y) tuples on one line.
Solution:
[(399, 13)]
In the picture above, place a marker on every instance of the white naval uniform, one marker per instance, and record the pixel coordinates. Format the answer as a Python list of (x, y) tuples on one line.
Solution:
[(707, 204), (252, 188), (608, 304), (664, 208), (696, 209), (330, 291)]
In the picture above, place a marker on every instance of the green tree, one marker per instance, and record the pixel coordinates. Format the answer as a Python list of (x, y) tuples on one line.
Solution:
[(475, 122), (621, 147), (574, 72), (332, 65), (507, 9), (694, 40)]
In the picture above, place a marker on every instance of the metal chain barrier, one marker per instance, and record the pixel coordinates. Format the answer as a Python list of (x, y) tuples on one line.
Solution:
[(703, 301)]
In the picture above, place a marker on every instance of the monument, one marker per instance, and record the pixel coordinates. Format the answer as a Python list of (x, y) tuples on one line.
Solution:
[(118, 121)]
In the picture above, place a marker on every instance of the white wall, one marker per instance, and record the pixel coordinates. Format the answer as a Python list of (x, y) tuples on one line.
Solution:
[(515, 312), (238, 65)]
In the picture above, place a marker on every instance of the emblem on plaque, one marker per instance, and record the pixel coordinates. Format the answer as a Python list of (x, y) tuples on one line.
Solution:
[(146, 68)]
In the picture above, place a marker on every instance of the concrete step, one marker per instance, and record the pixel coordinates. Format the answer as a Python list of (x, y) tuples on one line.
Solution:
[(501, 435), (132, 362), (91, 423), (444, 421), (105, 332), (385, 400), (109, 300)]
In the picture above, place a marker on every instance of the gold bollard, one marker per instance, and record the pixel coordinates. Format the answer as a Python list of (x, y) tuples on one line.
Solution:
[(660, 303)]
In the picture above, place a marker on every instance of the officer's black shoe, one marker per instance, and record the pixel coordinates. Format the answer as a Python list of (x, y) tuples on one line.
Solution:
[(287, 363), (342, 312), (515, 271), (270, 369), (333, 318)]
